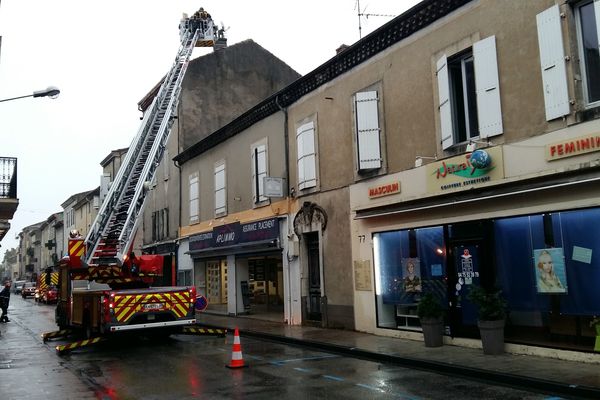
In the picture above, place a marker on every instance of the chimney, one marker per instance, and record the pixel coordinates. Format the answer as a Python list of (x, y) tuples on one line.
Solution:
[(341, 48)]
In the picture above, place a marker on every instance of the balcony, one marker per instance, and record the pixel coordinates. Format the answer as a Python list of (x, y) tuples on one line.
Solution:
[(8, 193)]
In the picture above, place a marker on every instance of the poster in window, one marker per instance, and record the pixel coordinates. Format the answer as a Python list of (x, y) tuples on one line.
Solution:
[(411, 281), (550, 273)]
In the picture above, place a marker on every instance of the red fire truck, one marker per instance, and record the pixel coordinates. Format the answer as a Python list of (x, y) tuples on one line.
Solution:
[(104, 287)]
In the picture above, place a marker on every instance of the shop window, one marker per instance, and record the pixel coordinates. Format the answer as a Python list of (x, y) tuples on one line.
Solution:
[(469, 94), (307, 157), (184, 278), (259, 171), (194, 198), (407, 264), (220, 189), (368, 132)]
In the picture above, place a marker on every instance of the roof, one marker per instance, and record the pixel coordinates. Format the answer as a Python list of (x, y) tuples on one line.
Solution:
[(112, 155), (413, 20)]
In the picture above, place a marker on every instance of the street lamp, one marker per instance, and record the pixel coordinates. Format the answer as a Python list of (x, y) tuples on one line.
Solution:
[(50, 91)]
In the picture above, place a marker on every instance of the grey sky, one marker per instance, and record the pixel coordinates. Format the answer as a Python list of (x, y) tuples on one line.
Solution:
[(105, 56)]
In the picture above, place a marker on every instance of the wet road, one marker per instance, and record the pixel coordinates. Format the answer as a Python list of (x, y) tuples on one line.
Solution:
[(186, 367)]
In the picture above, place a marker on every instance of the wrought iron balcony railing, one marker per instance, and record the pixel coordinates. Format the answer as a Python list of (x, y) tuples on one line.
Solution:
[(8, 178)]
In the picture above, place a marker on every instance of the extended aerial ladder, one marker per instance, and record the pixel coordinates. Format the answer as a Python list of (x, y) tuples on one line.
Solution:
[(111, 235)]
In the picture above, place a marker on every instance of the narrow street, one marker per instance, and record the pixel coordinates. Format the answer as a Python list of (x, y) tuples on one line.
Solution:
[(185, 366)]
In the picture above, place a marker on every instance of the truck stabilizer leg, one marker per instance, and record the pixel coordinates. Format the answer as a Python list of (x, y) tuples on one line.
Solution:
[(196, 330), (56, 334), (64, 348)]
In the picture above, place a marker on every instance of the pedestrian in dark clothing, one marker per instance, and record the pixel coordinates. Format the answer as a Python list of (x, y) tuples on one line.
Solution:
[(4, 300)]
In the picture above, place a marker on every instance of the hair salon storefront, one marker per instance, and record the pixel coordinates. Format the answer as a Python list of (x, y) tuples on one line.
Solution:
[(467, 221), (238, 267)]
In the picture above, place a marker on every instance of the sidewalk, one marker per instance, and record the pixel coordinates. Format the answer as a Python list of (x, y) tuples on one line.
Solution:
[(567, 378)]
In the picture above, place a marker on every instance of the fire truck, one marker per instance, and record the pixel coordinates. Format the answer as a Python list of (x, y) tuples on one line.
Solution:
[(104, 287), (45, 281)]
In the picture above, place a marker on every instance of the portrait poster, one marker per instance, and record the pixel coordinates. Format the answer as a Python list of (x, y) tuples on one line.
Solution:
[(550, 270), (411, 275)]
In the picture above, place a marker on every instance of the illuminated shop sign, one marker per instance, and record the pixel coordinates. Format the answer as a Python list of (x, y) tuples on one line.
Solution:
[(466, 171), (573, 147)]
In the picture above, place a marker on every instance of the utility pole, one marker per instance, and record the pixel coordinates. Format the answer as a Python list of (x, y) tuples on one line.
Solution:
[(366, 15)]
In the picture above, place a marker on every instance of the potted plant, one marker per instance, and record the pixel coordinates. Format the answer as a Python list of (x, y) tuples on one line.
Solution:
[(431, 316), (492, 315)]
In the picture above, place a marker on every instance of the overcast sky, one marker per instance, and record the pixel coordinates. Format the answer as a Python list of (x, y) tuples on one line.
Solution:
[(105, 56)]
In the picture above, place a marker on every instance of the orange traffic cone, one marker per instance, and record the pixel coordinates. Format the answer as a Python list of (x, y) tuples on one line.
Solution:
[(237, 361)]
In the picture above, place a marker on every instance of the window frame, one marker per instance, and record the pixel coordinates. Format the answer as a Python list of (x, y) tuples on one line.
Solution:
[(307, 159), (583, 62), (258, 197)]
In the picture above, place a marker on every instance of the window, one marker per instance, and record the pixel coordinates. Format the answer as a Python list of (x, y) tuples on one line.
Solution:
[(166, 164), (469, 94), (194, 198), (588, 16), (305, 139), (220, 190), (160, 224), (367, 130), (259, 171)]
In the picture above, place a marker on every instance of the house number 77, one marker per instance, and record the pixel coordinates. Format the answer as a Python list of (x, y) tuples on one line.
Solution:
[(361, 238)]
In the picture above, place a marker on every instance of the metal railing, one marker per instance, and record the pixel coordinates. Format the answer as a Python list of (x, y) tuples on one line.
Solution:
[(8, 178)]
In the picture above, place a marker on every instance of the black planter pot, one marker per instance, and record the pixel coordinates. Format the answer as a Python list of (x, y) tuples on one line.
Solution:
[(433, 329), (492, 336)]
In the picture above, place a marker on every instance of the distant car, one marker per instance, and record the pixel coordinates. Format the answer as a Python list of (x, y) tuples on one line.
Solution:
[(50, 295), (28, 289), (17, 286)]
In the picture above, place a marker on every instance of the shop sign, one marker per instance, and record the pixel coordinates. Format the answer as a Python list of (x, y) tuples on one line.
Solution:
[(236, 233), (226, 235), (260, 230), (384, 190), (466, 171), (573, 147)]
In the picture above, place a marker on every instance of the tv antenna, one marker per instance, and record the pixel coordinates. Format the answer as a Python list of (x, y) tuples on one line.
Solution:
[(364, 14)]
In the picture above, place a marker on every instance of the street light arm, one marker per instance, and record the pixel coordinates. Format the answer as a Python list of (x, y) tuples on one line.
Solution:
[(50, 91)]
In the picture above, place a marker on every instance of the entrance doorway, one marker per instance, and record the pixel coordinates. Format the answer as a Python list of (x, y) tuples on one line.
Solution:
[(314, 312), (265, 284)]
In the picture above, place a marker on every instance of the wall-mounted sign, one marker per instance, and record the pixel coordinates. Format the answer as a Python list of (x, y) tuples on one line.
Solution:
[(236, 233), (573, 147), (466, 171), (384, 190)]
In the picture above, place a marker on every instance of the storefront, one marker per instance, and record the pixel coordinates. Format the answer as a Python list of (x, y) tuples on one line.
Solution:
[(238, 267), (454, 224)]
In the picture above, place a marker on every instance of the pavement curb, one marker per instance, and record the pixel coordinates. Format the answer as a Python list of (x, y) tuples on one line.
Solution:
[(519, 381)]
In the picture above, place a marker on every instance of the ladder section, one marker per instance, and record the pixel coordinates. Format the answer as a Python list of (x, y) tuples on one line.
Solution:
[(113, 231)]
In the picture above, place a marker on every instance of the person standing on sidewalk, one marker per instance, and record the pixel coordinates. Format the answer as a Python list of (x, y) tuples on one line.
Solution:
[(4, 300)]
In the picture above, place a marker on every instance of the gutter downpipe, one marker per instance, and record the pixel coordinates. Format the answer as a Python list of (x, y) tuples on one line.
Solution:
[(290, 317)]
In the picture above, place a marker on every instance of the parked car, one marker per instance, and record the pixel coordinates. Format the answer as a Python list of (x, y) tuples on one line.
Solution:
[(17, 286), (50, 295), (28, 289)]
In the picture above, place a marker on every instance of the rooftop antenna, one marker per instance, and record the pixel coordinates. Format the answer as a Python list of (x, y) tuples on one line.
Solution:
[(366, 15)]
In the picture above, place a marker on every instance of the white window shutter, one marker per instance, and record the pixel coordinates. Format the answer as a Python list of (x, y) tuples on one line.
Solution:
[(367, 128), (220, 189), (194, 200), (487, 86), (552, 60), (305, 138), (444, 102)]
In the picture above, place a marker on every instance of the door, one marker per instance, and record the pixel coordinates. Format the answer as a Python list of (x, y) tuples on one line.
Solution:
[(314, 277), (465, 268)]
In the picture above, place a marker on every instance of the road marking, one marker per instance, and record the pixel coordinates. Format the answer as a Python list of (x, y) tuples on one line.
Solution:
[(281, 362), (333, 378), (303, 370)]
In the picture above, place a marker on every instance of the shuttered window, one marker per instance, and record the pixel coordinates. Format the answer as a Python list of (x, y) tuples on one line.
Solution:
[(469, 94), (220, 189), (305, 141), (259, 172), (552, 60), (367, 129), (194, 198)]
